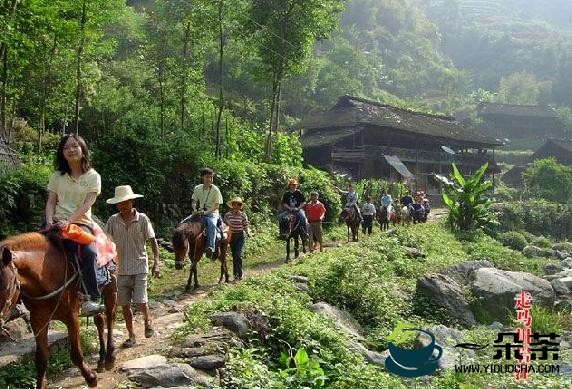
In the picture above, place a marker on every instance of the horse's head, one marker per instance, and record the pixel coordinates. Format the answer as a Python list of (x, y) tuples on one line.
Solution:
[(287, 224), (183, 234), (344, 215), (9, 285)]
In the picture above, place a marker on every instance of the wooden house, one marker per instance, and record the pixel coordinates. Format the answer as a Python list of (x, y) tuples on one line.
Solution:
[(368, 139), (559, 149), (519, 121)]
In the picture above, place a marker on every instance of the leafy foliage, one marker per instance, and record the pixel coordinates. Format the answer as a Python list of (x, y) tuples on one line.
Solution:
[(513, 239), (466, 199), (549, 180)]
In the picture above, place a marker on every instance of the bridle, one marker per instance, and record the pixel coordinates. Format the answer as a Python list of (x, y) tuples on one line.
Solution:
[(13, 291)]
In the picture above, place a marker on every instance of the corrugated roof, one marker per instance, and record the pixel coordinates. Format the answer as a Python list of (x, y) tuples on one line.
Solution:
[(516, 110), (352, 111)]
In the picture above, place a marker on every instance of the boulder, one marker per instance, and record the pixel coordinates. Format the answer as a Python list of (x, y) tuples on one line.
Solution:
[(234, 321), (552, 268), (370, 356), (439, 292), (447, 338), (207, 362), (461, 271), (567, 262), (166, 375), (559, 288), (496, 290), (342, 319)]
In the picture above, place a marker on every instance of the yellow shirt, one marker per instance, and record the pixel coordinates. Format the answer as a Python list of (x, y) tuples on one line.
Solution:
[(72, 193), (207, 198)]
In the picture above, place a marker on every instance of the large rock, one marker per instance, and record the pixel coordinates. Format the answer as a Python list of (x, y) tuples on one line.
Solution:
[(370, 356), (442, 295), (167, 376), (496, 290), (447, 338), (461, 271), (234, 321), (342, 319)]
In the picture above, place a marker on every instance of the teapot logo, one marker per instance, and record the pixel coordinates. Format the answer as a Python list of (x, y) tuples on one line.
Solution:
[(411, 363)]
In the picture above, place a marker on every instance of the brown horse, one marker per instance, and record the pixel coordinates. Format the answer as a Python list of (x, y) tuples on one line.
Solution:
[(189, 239), (351, 217), (36, 269), (383, 217)]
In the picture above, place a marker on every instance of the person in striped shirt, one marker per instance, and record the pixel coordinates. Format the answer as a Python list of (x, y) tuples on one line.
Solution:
[(130, 231), (237, 221)]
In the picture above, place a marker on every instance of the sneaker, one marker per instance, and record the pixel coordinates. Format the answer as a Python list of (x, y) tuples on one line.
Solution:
[(209, 252), (91, 308)]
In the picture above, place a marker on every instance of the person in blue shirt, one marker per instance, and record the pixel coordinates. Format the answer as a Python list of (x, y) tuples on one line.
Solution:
[(351, 199)]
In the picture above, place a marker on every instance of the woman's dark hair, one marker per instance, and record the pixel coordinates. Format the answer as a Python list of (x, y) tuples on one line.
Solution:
[(62, 164), (207, 172)]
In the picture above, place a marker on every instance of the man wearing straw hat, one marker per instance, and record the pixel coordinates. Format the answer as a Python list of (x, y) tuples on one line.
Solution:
[(130, 231), (237, 221)]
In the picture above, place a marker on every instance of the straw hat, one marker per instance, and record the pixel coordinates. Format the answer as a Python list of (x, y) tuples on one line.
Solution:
[(235, 200), (292, 181), (123, 193)]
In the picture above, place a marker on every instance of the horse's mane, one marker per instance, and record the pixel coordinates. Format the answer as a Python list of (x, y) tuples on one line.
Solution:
[(184, 230), (25, 242)]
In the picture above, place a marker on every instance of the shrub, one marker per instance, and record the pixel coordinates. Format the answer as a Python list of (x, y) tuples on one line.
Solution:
[(514, 240), (533, 251), (542, 242), (562, 246)]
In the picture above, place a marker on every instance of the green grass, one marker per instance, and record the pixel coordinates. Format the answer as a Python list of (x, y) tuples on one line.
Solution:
[(374, 280)]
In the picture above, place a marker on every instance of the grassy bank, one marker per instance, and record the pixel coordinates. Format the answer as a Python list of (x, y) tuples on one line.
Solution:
[(374, 280)]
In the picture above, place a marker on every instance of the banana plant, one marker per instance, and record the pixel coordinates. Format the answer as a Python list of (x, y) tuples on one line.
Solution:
[(466, 199)]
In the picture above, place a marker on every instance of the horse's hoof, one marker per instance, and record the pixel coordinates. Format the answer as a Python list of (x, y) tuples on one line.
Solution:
[(178, 266), (110, 365), (100, 367), (91, 380)]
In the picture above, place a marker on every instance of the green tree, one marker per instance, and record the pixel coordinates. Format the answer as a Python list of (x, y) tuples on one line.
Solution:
[(547, 179), (284, 32)]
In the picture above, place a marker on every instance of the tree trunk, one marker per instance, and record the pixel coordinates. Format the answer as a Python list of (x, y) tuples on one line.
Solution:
[(4, 48), (4, 97), (268, 146), (80, 49), (47, 84), (184, 76), (221, 91)]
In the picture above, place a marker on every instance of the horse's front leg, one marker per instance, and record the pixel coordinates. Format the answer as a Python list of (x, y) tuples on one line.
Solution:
[(110, 313), (99, 323), (288, 249), (189, 286), (75, 349), (296, 246), (40, 329)]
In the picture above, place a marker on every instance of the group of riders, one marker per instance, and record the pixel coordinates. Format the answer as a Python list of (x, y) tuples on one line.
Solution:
[(414, 204)]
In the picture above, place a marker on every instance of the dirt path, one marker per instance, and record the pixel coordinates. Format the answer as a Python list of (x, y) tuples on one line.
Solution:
[(167, 318)]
